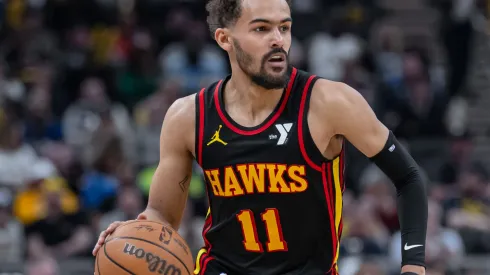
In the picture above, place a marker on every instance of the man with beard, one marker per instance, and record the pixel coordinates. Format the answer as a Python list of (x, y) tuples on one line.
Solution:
[(270, 141)]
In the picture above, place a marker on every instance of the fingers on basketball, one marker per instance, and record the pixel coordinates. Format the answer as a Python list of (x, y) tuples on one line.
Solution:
[(144, 248), (103, 236), (112, 227)]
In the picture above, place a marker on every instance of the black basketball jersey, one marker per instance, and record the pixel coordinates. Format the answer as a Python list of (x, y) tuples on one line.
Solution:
[(275, 201)]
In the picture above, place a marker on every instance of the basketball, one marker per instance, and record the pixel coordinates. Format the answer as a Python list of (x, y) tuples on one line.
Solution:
[(144, 248)]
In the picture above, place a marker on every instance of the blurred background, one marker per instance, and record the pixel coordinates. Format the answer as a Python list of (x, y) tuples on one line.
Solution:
[(84, 87)]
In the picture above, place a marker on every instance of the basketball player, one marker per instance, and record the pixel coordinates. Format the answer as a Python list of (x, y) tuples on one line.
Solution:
[(270, 141)]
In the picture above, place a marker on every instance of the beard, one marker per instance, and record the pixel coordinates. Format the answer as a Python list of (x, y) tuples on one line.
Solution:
[(262, 78)]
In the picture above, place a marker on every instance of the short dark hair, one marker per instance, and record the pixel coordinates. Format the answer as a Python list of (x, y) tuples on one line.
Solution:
[(224, 13)]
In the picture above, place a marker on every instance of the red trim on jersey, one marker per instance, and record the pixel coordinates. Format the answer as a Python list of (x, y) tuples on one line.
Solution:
[(201, 127), (300, 126), (342, 163), (327, 181), (201, 261), (266, 125), (331, 184), (205, 264), (205, 258), (207, 226), (208, 223)]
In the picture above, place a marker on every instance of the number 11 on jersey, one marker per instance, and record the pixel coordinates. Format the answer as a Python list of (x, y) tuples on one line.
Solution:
[(270, 217)]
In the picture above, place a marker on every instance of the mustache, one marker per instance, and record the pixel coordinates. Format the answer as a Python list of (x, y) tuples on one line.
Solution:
[(274, 51)]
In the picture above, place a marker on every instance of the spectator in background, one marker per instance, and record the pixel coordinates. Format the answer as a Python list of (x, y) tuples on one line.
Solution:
[(468, 210), (329, 51), (11, 88), (66, 162), (74, 63), (359, 78), (139, 79), (460, 151), (123, 46), (360, 15), (77, 50), (364, 233), (16, 156), (93, 111), (129, 205), (30, 202), (378, 189), (444, 245), (388, 46), (148, 117), (195, 63), (11, 232), (41, 124), (456, 33), (58, 235), (176, 24), (99, 185), (414, 107), (32, 42)]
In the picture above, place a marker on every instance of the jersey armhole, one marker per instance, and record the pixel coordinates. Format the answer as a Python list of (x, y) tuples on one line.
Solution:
[(310, 152), (199, 126)]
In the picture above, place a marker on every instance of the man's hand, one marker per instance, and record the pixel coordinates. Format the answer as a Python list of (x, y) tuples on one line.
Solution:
[(419, 270), (103, 235)]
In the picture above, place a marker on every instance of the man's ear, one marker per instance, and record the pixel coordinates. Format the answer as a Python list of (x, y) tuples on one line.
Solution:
[(222, 37)]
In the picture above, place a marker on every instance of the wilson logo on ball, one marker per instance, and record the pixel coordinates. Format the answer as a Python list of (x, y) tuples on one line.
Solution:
[(155, 263)]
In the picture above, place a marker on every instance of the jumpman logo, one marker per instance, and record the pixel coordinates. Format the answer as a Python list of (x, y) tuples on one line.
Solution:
[(215, 138)]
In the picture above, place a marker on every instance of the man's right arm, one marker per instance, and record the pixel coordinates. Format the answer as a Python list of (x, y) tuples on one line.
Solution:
[(169, 188)]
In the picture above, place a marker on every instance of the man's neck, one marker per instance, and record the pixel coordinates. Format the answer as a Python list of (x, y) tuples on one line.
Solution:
[(249, 97)]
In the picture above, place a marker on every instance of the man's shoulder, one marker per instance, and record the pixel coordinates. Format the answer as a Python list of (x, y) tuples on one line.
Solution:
[(182, 110), (179, 123), (328, 95)]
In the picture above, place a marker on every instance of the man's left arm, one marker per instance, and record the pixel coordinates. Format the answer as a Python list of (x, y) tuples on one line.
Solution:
[(350, 116)]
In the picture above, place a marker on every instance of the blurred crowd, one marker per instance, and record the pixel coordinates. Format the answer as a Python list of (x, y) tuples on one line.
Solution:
[(85, 85)]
